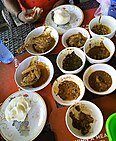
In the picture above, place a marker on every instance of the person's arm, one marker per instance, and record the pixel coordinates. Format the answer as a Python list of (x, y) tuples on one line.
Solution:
[(12, 6)]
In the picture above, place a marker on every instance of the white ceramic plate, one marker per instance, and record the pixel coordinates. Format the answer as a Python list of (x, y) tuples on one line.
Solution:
[(77, 17), (33, 124), (69, 77), (37, 32)]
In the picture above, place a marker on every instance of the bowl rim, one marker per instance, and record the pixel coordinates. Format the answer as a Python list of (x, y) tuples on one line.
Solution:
[(78, 29), (37, 30), (88, 103), (28, 59), (107, 125), (108, 47), (73, 49), (103, 16), (67, 77), (89, 88)]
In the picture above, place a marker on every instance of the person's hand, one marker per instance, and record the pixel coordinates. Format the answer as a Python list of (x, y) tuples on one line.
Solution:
[(30, 15)]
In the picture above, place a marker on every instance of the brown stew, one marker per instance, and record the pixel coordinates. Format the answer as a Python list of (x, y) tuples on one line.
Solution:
[(68, 90), (76, 40), (100, 81), (101, 29), (42, 43), (45, 72), (82, 122), (98, 52)]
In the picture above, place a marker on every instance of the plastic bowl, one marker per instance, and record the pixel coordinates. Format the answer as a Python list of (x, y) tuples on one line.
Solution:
[(111, 127)]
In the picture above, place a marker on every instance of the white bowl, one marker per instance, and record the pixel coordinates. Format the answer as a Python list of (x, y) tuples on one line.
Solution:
[(61, 56), (96, 41), (91, 109), (105, 20), (73, 31), (37, 32), (100, 67), (68, 77), (24, 65)]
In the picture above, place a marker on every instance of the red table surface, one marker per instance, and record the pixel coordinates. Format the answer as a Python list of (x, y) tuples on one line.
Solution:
[(56, 116)]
